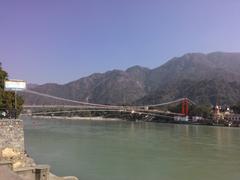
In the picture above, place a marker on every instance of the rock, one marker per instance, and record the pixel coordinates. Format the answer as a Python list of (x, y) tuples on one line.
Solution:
[(54, 177), (9, 153), (17, 164), (70, 178)]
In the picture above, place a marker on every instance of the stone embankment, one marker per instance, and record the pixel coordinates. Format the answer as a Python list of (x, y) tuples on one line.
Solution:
[(15, 164)]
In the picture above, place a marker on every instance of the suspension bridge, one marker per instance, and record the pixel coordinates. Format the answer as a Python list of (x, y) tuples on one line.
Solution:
[(144, 111)]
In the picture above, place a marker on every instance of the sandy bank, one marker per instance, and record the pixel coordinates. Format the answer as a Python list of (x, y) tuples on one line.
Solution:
[(99, 118)]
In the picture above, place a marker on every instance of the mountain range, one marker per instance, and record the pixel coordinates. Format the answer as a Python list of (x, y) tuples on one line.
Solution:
[(205, 78)]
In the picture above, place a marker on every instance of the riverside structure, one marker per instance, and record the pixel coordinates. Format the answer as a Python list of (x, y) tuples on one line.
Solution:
[(15, 164)]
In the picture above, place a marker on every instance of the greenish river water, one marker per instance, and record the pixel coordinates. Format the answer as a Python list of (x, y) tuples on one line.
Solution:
[(105, 150)]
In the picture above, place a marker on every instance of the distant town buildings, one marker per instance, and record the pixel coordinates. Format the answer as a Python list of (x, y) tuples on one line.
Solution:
[(225, 116), (220, 116)]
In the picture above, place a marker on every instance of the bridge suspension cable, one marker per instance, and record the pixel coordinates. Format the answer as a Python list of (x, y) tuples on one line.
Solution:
[(68, 100), (170, 102), (105, 105), (163, 104)]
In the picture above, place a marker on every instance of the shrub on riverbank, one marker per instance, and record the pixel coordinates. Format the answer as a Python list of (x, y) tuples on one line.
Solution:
[(7, 99)]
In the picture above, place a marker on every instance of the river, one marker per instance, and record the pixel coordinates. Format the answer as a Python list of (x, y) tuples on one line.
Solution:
[(117, 150)]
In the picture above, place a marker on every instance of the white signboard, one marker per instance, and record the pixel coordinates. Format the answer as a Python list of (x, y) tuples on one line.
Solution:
[(15, 85)]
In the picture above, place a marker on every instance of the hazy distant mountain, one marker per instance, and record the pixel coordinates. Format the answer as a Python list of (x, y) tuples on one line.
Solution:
[(31, 86), (204, 78), (112, 87)]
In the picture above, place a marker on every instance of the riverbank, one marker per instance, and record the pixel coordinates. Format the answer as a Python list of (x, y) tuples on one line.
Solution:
[(173, 121), (97, 118)]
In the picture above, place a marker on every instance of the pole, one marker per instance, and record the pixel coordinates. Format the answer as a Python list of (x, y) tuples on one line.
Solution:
[(183, 106), (186, 101), (15, 104)]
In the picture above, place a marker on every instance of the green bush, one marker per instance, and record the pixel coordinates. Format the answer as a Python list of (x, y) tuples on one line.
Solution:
[(7, 99)]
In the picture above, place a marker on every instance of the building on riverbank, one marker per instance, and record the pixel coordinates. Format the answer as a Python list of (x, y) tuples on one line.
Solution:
[(225, 116), (181, 118), (232, 120)]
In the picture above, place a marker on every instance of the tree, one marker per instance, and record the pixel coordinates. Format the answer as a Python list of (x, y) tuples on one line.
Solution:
[(201, 110), (236, 108), (7, 99), (194, 110)]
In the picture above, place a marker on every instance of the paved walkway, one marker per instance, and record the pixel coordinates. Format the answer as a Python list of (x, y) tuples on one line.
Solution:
[(6, 174)]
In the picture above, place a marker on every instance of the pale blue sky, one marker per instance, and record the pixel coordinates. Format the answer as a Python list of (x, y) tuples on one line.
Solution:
[(63, 40)]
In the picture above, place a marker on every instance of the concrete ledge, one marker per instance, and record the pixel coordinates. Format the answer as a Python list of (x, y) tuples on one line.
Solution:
[(70, 178), (19, 170), (39, 172), (7, 164), (7, 174), (54, 177)]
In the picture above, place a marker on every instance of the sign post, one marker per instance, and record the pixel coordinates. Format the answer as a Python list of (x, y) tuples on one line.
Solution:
[(15, 94), (15, 85)]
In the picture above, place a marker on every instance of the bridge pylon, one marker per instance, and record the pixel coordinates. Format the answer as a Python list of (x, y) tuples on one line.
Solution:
[(185, 107)]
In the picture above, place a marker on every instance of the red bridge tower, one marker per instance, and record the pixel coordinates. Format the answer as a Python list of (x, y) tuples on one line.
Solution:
[(185, 103)]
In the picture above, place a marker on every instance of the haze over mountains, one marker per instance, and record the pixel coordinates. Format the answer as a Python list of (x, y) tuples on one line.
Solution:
[(204, 78)]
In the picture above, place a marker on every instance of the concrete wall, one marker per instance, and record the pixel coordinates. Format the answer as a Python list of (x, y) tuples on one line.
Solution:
[(11, 134), (12, 143)]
